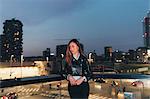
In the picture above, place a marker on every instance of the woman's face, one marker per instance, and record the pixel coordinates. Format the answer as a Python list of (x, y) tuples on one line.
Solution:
[(74, 49)]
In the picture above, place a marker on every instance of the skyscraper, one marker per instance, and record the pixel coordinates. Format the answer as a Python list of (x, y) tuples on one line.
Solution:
[(11, 40), (146, 30), (46, 54), (108, 53)]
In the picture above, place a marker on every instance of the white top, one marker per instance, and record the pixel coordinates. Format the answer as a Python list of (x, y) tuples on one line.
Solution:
[(76, 77)]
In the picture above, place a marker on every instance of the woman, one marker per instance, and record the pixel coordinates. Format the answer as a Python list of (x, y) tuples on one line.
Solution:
[(76, 70)]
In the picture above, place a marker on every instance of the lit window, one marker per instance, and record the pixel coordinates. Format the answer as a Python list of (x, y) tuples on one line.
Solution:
[(17, 33), (7, 46), (16, 39)]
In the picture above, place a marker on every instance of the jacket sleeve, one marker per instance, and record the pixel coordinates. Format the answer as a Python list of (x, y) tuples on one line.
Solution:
[(64, 70), (87, 70)]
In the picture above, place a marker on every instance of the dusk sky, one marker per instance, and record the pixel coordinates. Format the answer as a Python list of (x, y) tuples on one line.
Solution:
[(96, 23)]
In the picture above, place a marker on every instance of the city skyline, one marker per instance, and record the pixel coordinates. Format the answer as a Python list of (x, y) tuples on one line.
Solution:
[(116, 23)]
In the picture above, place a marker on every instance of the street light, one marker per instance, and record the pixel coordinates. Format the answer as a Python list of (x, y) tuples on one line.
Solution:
[(47, 59), (90, 60), (21, 64), (62, 55), (11, 59), (11, 64)]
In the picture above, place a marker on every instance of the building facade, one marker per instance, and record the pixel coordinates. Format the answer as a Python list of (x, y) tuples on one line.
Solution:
[(46, 54), (108, 53), (146, 30), (142, 54), (12, 41)]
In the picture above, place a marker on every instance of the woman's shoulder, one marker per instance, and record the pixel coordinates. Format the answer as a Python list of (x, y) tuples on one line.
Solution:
[(83, 57)]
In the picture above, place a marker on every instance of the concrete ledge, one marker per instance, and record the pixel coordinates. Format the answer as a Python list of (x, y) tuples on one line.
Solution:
[(29, 80)]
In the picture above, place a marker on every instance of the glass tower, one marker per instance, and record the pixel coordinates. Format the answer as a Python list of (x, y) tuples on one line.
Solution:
[(146, 30)]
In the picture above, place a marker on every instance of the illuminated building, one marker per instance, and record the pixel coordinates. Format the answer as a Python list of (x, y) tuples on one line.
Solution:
[(141, 54), (146, 30), (132, 55), (12, 41), (61, 49), (108, 53), (118, 56), (46, 54)]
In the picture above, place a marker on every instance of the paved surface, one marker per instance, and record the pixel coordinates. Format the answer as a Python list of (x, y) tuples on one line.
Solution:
[(97, 90)]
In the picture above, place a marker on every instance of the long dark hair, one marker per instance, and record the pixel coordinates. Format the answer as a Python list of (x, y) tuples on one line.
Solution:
[(69, 54)]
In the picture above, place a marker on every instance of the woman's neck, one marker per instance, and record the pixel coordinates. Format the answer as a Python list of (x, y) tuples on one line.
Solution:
[(76, 56)]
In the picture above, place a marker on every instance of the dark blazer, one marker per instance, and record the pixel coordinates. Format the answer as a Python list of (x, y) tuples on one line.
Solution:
[(78, 67)]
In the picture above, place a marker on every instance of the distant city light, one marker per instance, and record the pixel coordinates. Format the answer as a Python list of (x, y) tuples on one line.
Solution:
[(18, 73), (123, 53), (148, 52), (116, 51), (52, 54)]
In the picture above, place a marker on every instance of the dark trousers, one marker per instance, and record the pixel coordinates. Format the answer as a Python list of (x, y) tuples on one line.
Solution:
[(79, 91)]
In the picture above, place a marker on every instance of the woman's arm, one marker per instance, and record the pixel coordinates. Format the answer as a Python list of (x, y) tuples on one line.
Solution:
[(66, 73), (87, 71)]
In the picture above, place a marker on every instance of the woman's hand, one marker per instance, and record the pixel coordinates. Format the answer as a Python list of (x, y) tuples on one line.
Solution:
[(79, 81), (72, 80)]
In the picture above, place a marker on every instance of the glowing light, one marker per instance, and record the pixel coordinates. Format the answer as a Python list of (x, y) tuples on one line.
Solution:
[(16, 72), (148, 52), (98, 86)]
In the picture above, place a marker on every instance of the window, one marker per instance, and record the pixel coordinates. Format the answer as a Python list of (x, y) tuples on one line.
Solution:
[(17, 33)]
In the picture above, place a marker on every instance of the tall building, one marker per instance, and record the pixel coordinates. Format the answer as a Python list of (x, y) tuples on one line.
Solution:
[(0, 46), (61, 49), (146, 30), (118, 56), (108, 53), (46, 54), (132, 55), (142, 54), (11, 40)]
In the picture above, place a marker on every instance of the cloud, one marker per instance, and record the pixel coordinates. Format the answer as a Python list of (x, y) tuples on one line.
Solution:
[(36, 11)]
